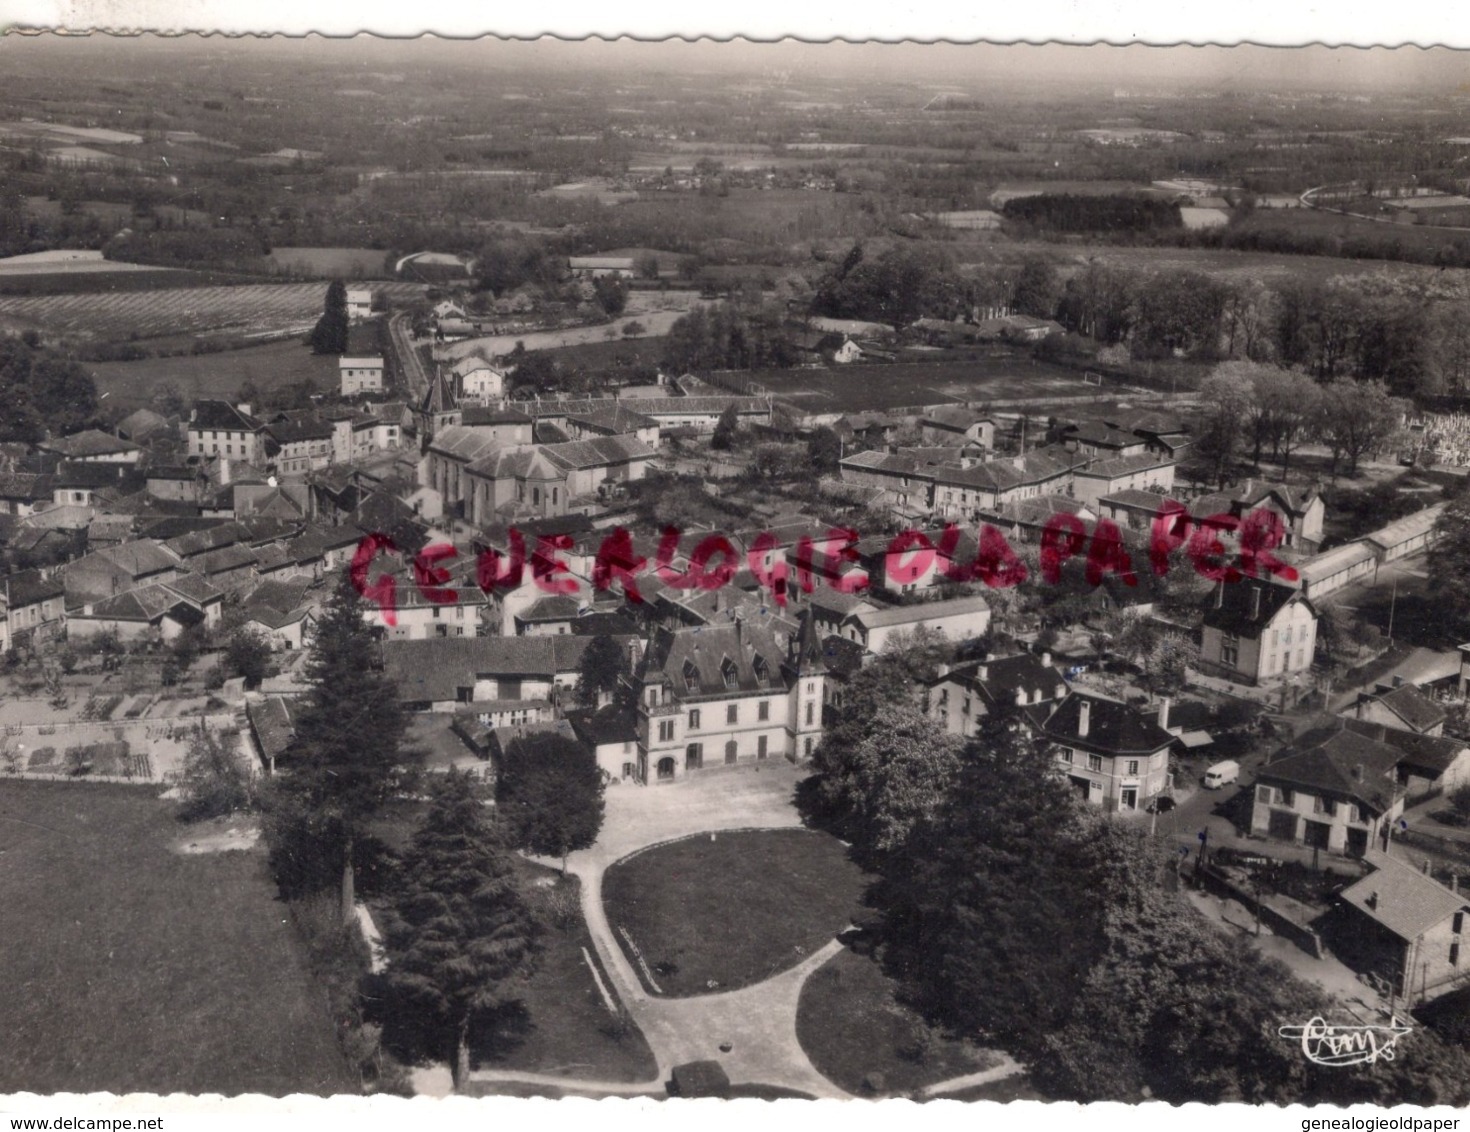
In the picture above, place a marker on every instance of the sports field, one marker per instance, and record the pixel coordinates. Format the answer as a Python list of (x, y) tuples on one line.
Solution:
[(995, 375)]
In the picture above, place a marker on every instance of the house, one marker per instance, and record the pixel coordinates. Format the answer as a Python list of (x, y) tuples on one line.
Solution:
[(35, 608), (960, 697), (477, 381), (142, 425), (596, 267), (1099, 438), (117, 569), (272, 727), (1428, 764), (1301, 511), (1405, 536), (619, 420), (152, 612), (550, 615), (79, 483), (217, 428), (1332, 789), (178, 484), (21, 493), (1255, 630), (723, 695), (959, 619), (697, 412), (1132, 508), (362, 374), (950, 424), (1144, 471), (359, 303), (198, 591), (611, 732), (1115, 755), (1406, 928), (443, 675), (93, 446), (294, 447), (1401, 706)]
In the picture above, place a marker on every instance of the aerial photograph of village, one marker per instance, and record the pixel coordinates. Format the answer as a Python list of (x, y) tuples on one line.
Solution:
[(729, 570)]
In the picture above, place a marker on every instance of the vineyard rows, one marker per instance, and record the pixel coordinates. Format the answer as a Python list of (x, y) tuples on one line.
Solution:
[(250, 308)]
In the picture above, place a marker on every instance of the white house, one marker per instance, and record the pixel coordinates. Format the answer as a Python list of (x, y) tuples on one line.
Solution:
[(360, 375)]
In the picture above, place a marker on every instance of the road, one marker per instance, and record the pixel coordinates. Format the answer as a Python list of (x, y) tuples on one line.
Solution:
[(409, 362)]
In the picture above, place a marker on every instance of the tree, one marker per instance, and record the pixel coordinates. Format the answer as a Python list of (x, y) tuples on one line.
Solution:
[(725, 429), (346, 758), (1168, 662), (459, 935), (1356, 418), (216, 780), (248, 655), (1289, 400), (1037, 290), (329, 335), (1225, 400), (634, 329), (824, 449), (1449, 566), (602, 669), (1006, 863), (550, 792), (612, 294), (646, 266)]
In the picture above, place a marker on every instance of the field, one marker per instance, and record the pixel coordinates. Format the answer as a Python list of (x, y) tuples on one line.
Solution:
[(253, 308), (781, 894), (133, 968), (133, 384), (994, 375), (330, 263)]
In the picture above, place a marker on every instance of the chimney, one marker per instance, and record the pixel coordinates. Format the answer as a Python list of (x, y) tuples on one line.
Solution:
[(1362, 704), (1219, 594), (983, 672), (1454, 882), (1398, 681), (1020, 697), (942, 670), (1357, 772), (1046, 658), (1255, 601), (1084, 719), (1372, 900), (1164, 713), (1426, 866)]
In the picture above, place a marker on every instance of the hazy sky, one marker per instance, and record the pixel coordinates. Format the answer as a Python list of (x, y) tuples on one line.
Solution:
[(1436, 72)]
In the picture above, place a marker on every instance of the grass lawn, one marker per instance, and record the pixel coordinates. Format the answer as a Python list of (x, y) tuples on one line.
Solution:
[(569, 1030), (131, 968), (732, 910), (853, 1028), (569, 1023), (216, 375)]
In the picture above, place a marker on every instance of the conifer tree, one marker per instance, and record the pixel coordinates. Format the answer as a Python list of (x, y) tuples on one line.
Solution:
[(344, 761), (460, 936), (329, 335)]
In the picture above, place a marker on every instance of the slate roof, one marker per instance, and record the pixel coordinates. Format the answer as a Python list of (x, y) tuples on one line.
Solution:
[(608, 724), (617, 419), (1113, 727), (224, 559), (1233, 614), (1121, 466), (694, 661), (221, 415), (1004, 676), (170, 472), (298, 431), (1102, 435), (1338, 762), (27, 487), (70, 473), (598, 451), (1135, 497), (552, 607), (472, 415), (146, 603), (1401, 898)]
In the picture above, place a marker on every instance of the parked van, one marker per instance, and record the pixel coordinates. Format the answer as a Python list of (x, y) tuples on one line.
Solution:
[(1222, 774)]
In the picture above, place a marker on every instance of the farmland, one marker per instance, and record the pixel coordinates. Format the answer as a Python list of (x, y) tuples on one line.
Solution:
[(133, 384), (264, 308), (136, 968), (329, 263), (994, 375)]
